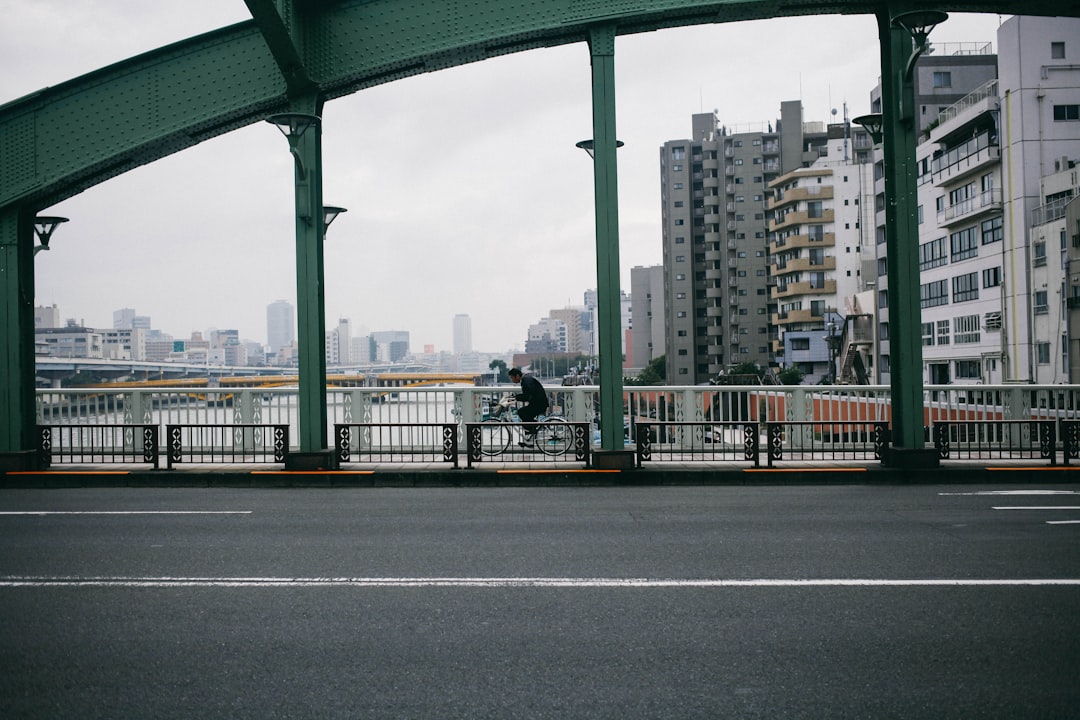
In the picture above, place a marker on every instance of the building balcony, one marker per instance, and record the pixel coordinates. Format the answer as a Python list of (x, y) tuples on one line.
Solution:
[(715, 292), (970, 209), (711, 182), (802, 241), (800, 218), (714, 331), (714, 311), (795, 316), (972, 158), (805, 288), (803, 265), (794, 195)]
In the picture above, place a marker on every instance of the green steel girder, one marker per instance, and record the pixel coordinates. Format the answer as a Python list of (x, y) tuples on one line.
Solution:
[(63, 139)]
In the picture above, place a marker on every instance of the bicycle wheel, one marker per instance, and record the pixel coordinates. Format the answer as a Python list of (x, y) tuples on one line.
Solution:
[(555, 436), (494, 437)]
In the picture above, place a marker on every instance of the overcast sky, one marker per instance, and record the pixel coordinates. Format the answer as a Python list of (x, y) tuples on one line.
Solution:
[(464, 190)]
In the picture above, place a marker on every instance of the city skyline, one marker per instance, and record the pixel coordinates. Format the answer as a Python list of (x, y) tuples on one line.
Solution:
[(440, 213)]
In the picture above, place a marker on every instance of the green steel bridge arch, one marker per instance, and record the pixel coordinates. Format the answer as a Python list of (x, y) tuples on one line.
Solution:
[(293, 56)]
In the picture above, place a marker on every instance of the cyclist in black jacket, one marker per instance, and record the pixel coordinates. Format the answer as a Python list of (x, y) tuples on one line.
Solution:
[(535, 398)]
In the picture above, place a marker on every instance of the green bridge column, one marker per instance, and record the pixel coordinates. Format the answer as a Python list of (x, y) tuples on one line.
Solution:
[(18, 431), (902, 249), (608, 283), (310, 302)]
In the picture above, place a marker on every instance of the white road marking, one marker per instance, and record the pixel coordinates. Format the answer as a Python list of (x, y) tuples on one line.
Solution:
[(1063, 522), (1037, 507), (512, 582), (1014, 492), (127, 512)]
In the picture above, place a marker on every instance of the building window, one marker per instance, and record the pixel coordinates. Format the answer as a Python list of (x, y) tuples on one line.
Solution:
[(680, 258), (967, 369), (934, 293), (965, 287), (927, 334), (1066, 112), (1042, 351), (678, 153), (933, 254), (1041, 305), (680, 276), (991, 277), (966, 329), (991, 231), (942, 79), (965, 244), (678, 203), (800, 343), (1057, 51), (680, 296), (1039, 252), (942, 332), (680, 240)]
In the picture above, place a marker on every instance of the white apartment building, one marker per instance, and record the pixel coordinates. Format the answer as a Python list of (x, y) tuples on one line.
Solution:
[(1055, 244), (991, 271), (820, 244)]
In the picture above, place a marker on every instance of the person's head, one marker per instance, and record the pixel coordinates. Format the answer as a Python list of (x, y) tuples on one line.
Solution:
[(515, 374)]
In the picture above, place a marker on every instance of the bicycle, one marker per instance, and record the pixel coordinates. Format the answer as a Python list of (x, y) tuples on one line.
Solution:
[(554, 435)]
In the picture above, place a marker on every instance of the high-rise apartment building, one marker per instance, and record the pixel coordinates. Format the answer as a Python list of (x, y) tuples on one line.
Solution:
[(992, 274), (942, 77), (462, 334), (714, 187), (280, 325), (820, 231), (647, 315)]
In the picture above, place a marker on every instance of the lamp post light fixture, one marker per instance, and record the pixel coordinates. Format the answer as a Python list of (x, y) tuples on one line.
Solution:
[(589, 147), (873, 124), (919, 24), (44, 226), (293, 126), (330, 212)]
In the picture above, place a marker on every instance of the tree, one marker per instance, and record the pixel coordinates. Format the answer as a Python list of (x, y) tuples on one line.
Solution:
[(500, 370), (791, 376), (655, 373)]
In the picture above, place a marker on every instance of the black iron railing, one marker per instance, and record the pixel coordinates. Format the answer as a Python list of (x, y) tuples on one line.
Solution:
[(97, 444), (226, 443), (850, 440), (997, 440), (506, 442), (680, 441), (396, 442)]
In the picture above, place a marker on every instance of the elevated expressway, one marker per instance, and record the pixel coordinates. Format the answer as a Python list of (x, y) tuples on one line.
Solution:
[(293, 56)]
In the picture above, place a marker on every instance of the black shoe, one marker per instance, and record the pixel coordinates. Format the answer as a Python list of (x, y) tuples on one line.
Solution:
[(527, 443)]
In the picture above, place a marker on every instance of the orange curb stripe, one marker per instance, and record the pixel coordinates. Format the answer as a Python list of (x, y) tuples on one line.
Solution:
[(549, 472), (312, 472), (1038, 467), (69, 472), (780, 470)]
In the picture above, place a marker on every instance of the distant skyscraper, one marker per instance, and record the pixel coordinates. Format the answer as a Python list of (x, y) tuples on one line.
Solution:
[(462, 334), (123, 318), (280, 324)]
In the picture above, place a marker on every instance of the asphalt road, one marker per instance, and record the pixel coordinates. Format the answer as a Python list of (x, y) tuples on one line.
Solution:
[(715, 602)]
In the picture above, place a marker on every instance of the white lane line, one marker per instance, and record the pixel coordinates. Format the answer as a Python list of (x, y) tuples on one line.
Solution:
[(1036, 507), (512, 582), (1063, 522), (127, 512), (1012, 492)]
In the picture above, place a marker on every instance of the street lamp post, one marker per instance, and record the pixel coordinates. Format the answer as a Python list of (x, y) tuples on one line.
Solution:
[(303, 132), (602, 148), (903, 39)]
